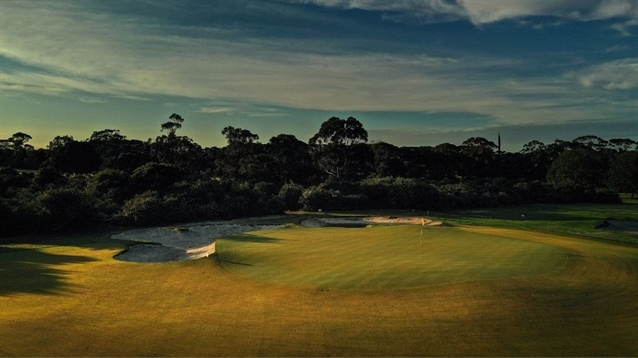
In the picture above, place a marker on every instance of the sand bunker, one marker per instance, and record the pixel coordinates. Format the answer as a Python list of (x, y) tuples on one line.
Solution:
[(190, 242), (167, 244), (353, 221)]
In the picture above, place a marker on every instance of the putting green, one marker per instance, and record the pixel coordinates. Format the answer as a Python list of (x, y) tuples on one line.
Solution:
[(382, 257)]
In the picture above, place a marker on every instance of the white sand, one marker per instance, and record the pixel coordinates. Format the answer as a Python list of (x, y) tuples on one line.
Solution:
[(190, 242), (182, 243)]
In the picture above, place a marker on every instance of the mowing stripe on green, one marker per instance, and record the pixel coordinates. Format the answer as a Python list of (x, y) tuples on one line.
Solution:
[(382, 257)]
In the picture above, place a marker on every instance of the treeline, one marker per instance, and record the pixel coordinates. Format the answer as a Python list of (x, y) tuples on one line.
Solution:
[(109, 178)]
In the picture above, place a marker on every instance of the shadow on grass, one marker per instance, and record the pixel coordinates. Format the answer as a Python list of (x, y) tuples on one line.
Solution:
[(25, 270), (98, 239), (251, 238), (557, 213), (222, 261)]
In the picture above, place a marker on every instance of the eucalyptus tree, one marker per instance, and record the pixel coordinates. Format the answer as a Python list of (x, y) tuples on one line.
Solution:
[(174, 123), (291, 159), (340, 150), (174, 149), (244, 158), (623, 173), (480, 157), (582, 166)]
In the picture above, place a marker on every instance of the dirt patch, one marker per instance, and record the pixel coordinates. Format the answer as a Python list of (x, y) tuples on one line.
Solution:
[(626, 226), (188, 242)]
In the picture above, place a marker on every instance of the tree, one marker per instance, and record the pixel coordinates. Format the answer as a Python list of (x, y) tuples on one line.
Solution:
[(109, 143), (59, 142), (70, 156), (155, 176), (243, 157), (107, 136), (538, 158), (20, 139), (291, 157), (444, 161), (14, 152), (174, 123), (387, 160), (590, 141), (623, 173), (578, 166), (338, 148), (480, 157), (621, 144), (238, 135), (340, 131)]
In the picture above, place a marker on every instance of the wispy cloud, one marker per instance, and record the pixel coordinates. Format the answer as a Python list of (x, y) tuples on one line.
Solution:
[(79, 51), (483, 12), (215, 110), (92, 100), (625, 27), (615, 75)]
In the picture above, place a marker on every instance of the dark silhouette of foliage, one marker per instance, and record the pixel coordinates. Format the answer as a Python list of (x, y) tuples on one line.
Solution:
[(109, 178), (623, 173), (238, 135), (339, 131), (174, 123)]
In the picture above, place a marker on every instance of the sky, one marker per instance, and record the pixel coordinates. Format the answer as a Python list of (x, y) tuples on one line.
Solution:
[(413, 72)]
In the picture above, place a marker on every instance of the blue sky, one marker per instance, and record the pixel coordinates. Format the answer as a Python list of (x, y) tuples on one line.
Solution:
[(414, 72)]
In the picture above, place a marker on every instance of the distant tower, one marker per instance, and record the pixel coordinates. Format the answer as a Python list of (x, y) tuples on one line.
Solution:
[(499, 143)]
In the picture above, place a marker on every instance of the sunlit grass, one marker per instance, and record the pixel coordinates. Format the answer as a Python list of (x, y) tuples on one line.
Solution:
[(382, 257), (573, 220), (71, 298)]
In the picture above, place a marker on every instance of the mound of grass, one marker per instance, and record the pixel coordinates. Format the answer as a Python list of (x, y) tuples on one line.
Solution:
[(381, 257)]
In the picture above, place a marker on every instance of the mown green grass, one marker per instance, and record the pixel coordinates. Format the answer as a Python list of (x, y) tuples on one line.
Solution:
[(69, 297), (572, 220), (627, 199), (382, 257)]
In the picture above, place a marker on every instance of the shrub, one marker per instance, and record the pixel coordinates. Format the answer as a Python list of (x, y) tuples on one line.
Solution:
[(290, 196), (155, 176), (111, 183), (61, 208), (144, 209), (315, 198)]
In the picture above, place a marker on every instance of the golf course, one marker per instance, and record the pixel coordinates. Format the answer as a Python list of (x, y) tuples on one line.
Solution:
[(500, 285)]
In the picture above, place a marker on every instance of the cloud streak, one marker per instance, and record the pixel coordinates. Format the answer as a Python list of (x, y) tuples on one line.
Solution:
[(484, 12), (79, 51), (615, 75)]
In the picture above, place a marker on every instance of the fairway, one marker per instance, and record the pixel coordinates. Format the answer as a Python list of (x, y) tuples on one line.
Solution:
[(382, 257), (378, 291)]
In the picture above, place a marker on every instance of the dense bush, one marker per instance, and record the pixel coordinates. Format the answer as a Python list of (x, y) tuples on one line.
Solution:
[(290, 196), (144, 209), (111, 179), (315, 198), (155, 176), (61, 208)]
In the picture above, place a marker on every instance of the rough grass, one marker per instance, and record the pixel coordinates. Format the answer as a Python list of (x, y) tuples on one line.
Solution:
[(70, 298)]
